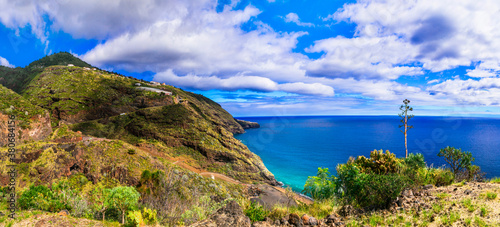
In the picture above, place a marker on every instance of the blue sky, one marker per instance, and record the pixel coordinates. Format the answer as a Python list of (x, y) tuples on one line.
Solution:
[(280, 57)]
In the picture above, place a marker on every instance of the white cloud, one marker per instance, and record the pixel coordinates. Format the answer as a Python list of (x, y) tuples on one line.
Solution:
[(485, 91), (294, 18), (242, 82), (442, 34), (433, 81), (5, 63), (362, 57), (205, 43)]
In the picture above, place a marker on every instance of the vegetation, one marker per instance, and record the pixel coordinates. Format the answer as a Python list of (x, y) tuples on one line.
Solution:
[(461, 163), (404, 120)]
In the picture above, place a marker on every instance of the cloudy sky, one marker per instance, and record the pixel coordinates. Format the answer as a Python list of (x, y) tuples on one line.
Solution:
[(280, 57)]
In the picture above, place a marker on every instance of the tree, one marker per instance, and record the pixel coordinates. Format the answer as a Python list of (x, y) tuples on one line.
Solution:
[(99, 197), (404, 119), (320, 186), (457, 159), (124, 198)]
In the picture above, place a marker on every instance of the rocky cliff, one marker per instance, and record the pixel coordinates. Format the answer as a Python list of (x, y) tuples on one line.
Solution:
[(247, 124)]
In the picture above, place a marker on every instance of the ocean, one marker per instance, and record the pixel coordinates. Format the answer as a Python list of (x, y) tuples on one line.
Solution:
[(293, 148)]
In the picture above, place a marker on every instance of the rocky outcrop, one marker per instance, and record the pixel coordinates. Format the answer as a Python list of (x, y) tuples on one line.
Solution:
[(37, 129), (247, 124), (31, 123)]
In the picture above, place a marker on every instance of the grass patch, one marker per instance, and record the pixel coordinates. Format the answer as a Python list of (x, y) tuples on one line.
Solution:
[(450, 218), (495, 180), (467, 203), (484, 211), (443, 195), (437, 208), (488, 195)]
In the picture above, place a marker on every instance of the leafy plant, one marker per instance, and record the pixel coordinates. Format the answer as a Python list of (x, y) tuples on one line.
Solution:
[(149, 216), (99, 198), (321, 186), (367, 190), (42, 198), (379, 162), (256, 212), (123, 198), (136, 218), (457, 159), (415, 161)]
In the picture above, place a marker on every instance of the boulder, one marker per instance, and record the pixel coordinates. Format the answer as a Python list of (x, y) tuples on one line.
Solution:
[(295, 220)]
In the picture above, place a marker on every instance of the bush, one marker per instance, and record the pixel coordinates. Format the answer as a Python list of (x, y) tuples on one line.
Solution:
[(368, 190), (320, 186), (149, 216), (41, 198), (379, 162), (135, 218), (370, 182), (415, 161), (459, 161), (256, 212), (123, 198), (440, 177)]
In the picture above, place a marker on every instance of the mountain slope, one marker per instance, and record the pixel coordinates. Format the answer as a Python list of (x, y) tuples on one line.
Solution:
[(106, 105), (31, 121)]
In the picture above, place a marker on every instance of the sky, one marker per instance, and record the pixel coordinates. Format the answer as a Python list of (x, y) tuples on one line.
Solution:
[(280, 57)]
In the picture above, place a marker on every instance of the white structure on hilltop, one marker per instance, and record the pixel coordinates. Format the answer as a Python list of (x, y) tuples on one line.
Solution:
[(69, 65)]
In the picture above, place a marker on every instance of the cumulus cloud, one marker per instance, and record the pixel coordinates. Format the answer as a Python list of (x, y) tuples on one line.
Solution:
[(205, 43), (242, 82), (484, 91), (443, 34), (362, 57), (294, 18), (5, 63)]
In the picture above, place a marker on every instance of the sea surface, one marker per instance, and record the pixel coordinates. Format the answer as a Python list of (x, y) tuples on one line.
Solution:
[(293, 148)]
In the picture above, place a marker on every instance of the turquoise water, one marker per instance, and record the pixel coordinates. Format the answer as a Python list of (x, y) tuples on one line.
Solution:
[(293, 148)]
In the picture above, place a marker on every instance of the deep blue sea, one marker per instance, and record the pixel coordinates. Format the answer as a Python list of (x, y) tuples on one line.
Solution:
[(293, 148)]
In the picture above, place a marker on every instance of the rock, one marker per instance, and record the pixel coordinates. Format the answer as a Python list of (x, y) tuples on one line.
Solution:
[(63, 213), (305, 219), (295, 220), (262, 224), (313, 221), (247, 124), (429, 186), (467, 192)]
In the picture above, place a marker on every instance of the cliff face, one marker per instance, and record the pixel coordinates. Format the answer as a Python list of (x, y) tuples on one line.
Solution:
[(247, 124), (183, 124), (32, 123)]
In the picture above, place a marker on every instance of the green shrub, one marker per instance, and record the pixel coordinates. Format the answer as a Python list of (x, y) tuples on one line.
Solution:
[(149, 216), (320, 186), (41, 198), (123, 198), (415, 161), (367, 190), (131, 151), (379, 162), (460, 162), (135, 218), (256, 212)]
